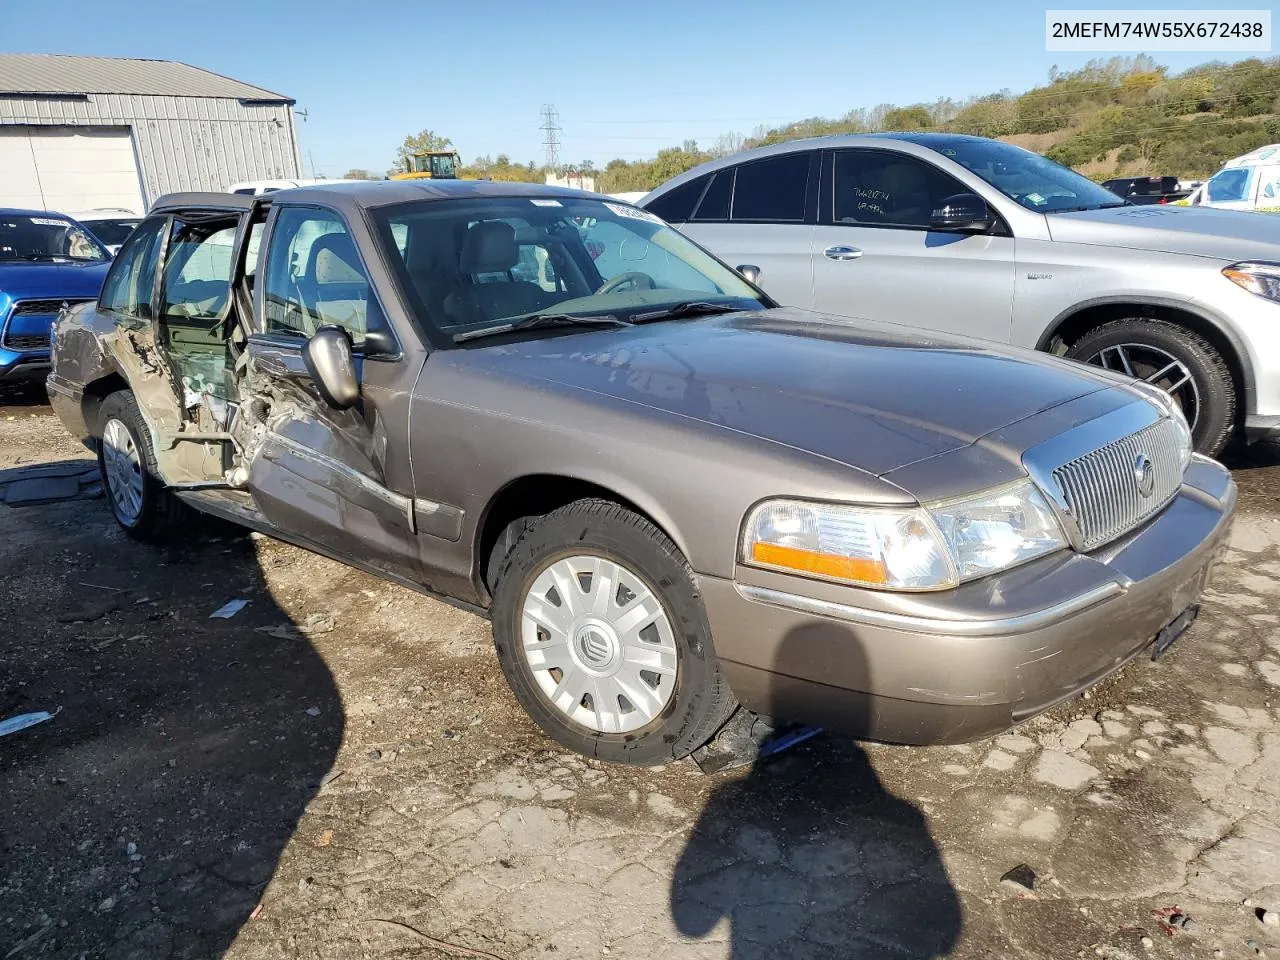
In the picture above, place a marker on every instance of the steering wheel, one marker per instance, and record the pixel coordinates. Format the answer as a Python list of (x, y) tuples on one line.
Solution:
[(641, 281)]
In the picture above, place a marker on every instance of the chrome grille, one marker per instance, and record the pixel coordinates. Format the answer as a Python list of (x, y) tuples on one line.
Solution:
[(1102, 489)]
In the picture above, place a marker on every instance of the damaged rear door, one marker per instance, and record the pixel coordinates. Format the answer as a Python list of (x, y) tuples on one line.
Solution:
[(326, 477)]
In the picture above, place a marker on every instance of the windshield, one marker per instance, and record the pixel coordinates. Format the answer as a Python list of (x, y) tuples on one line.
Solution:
[(1227, 186), (479, 263), (1035, 182), (115, 231), (46, 238)]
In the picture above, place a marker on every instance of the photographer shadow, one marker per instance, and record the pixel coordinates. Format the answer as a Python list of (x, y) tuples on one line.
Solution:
[(809, 855)]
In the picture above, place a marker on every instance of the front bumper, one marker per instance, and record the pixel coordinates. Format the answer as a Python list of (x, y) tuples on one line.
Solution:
[(22, 366), (963, 664)]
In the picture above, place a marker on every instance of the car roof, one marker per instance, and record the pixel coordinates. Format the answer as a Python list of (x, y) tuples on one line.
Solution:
[(376, 193), (916, 143), (358, 194), (205, 201)]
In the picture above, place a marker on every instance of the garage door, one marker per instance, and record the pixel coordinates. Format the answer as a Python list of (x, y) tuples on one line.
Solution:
[(68, 168)]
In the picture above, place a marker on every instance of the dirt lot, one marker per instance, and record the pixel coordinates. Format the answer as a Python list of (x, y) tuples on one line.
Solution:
[(372, 790)]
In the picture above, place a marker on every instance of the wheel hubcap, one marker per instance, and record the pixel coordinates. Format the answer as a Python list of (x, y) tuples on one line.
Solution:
[(599, 644), (1157, 367), (122, 470)]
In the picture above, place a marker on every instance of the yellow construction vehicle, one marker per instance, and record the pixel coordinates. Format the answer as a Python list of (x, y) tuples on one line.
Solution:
[(430, 165)]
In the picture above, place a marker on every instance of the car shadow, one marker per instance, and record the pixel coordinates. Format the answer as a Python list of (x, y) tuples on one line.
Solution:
[(145, 818), (809, 855)]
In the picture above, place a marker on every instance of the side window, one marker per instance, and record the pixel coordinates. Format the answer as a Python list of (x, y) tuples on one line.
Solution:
[(1269, 192), (884, 188), (314, 276), (715, 202), (197, 271), (677, 205), (129, 285), (773, 189)]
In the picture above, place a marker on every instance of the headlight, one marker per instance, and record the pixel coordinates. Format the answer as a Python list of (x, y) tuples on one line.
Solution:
[(1260, 277), (903, 548)]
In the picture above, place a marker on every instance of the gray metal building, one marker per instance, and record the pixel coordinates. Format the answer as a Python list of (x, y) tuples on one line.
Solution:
[(78, 133)]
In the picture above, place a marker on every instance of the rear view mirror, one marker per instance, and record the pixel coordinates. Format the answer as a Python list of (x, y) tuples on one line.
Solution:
[(750, 271), (329, 361), (963, 213)]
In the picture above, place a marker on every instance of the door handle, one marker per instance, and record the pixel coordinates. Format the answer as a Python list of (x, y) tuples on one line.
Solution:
[(841, 252)]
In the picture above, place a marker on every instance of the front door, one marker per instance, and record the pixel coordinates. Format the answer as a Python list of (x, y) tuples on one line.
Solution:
[(876, 257), (327, 477)]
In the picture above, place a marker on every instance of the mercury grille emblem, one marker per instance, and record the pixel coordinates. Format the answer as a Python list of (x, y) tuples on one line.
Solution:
[(1144, 474)]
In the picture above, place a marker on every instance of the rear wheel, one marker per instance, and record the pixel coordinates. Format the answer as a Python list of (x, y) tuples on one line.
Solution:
[(1177, 360), (138, 498), (603, 638)]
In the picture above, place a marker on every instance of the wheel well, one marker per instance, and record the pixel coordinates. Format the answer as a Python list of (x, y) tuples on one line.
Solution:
[(94, 394), (1075, 326), (535, 496)]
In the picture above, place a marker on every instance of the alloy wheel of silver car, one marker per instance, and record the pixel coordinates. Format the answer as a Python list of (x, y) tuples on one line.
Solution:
[(599, 643), (122, 470), (1157, 367)]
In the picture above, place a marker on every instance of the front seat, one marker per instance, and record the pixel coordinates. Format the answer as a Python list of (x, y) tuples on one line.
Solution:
[(334, 287), (489, 248), (908, 190)]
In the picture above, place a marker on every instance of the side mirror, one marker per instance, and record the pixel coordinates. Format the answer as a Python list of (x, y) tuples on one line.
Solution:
[(379, 344), (750, 271), (329, 361), (963, 213)]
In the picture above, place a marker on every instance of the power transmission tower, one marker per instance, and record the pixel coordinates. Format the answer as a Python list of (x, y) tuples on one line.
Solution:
[(551, 135)]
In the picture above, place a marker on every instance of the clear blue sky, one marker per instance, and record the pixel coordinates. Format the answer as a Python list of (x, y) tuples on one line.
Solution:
[(627, 78)]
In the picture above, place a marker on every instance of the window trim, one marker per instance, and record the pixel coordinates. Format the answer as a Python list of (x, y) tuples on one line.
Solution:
[(810, 194), (827, 213), (732, 172), (121, 262), (162, 265), (260, 282)]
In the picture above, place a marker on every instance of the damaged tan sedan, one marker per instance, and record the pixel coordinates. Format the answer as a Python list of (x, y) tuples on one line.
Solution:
[(669, 495)]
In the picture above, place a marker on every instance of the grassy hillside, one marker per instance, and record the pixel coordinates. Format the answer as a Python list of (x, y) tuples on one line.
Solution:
[(1122, 116)]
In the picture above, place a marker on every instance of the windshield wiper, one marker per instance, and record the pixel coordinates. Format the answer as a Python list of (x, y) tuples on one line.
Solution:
[(689, 308), (538, 320), (1100, 206)]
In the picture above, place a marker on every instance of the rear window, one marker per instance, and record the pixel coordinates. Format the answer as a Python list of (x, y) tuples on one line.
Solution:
[(676, 206), (772, 189), (715, 202)]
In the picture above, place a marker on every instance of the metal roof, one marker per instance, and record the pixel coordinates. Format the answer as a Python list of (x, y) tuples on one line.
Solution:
[(52, 74)]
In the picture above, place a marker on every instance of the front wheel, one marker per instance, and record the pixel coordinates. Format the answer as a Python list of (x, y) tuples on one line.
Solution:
[(603, 638), (1177, 360)]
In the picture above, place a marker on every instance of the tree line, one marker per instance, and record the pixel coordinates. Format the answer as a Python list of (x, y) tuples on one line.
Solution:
[(1111, 117)]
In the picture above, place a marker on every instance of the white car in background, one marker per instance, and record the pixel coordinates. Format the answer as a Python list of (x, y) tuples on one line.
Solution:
[(1247, 182), (110, 225)]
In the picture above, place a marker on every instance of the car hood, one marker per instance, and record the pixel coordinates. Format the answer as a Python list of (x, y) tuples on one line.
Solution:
[(1198, 231), (870, 395), (47, 281)]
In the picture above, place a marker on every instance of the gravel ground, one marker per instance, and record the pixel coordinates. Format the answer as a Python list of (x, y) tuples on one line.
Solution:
[(368, 787)]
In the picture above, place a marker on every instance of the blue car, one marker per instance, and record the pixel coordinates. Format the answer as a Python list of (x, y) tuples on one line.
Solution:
[(46, 260)]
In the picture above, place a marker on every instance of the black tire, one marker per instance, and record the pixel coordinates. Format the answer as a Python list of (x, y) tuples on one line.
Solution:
[(701, 701), (161, 514), (1209, 371)]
